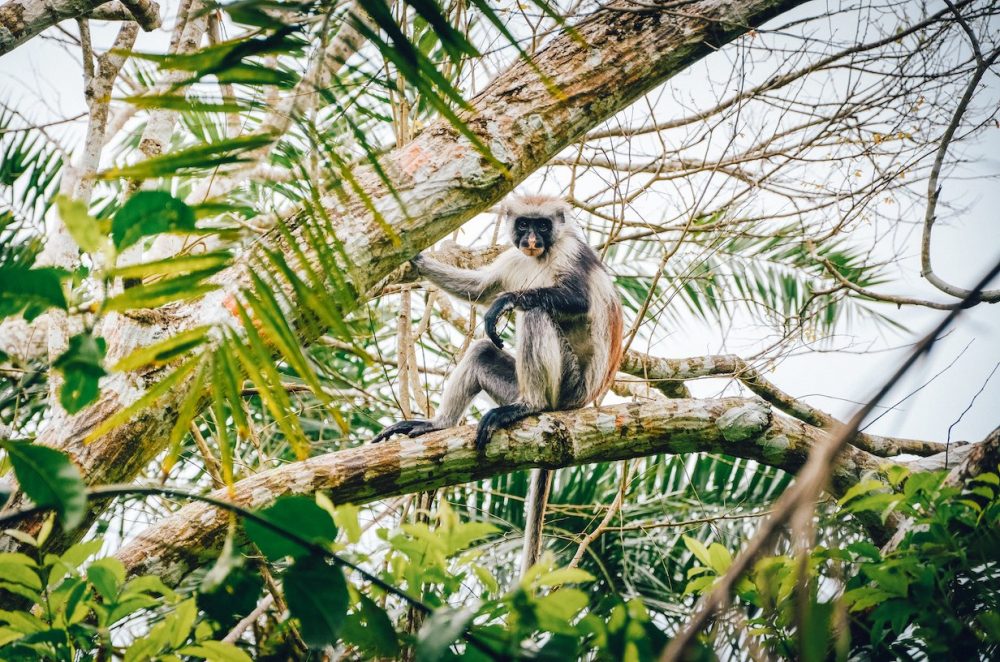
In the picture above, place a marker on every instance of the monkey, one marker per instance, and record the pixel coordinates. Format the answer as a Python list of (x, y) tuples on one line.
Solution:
[(568, 334)]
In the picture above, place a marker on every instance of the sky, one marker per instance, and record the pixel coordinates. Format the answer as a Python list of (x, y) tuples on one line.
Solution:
[(42, 79)]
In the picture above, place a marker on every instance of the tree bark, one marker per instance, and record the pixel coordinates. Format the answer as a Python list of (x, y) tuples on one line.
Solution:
[(734, 426), (20, 20), (435, 183)]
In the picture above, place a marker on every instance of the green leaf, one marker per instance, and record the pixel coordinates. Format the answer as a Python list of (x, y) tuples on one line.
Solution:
[(161, 292), (720, 558), (215, 651), (82, 366), (149, 213), (30, 291), (699, 550), (232, 598), (49, 478), (107, 575), (178, 264), (163, 351), (202, 157), (190, 103), (346, 517), (565, 576), (84, 228), (298, 514), (441, 630), (555, 610), (320, 612), (15, 572)]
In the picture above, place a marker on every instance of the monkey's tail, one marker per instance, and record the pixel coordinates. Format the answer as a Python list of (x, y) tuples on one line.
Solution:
[(539, 484)]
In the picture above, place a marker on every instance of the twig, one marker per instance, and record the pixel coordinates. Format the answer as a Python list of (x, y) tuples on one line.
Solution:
[(616, 506)]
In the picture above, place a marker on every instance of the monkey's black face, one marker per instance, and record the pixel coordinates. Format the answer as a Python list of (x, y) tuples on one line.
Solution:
[(533, 236)]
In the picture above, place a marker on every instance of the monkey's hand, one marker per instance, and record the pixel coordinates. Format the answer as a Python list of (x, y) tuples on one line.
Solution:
[(411, 428), (501, 306)]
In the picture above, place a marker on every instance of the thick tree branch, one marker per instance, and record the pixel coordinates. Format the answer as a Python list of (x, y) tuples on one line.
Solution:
[(20, 20), (734, 426)]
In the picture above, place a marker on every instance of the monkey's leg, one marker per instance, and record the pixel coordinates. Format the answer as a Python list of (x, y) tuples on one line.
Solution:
[(484, 368), (539, 374)]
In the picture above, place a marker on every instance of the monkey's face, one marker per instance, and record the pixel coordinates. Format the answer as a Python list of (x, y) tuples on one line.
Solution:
[(534, 236)]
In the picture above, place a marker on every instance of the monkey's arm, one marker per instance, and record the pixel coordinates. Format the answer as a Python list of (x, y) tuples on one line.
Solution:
[(474, 286), (569, 298)]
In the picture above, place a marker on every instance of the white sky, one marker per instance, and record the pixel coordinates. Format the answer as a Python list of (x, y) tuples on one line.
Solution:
[(43, 80)]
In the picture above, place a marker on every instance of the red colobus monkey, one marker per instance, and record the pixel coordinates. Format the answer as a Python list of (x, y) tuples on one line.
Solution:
[(569, 334)]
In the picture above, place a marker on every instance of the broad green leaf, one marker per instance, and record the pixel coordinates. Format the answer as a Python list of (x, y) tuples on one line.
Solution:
[(555, 610), (49, 478), (863, 487), (215, 651), (107, 575), (370, 630), (698, 548), (163, 351), (30, 292), (298, 514), (84, 228), (22, 621), (719, 557), (320, 612), (82, 366), (19, 573), (346, 517), (149, 213), (180, 622), (441, 630)]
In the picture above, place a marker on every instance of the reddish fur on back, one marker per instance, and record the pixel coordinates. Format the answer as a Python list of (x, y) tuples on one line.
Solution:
[(615, 353)]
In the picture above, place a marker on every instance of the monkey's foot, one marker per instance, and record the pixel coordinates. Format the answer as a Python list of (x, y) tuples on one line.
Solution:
[(497, 419), (413, 428)]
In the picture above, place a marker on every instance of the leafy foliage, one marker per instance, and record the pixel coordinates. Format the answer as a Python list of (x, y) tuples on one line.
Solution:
[(934, 595)]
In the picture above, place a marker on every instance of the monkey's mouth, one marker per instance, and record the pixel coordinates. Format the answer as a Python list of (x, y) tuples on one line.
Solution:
[(532, 252)]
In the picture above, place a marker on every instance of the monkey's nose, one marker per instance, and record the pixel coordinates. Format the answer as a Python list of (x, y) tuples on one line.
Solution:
[(532, 241)]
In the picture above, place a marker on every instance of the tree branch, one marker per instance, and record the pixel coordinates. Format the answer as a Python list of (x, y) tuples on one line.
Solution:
[(734, 426), (20, 20)]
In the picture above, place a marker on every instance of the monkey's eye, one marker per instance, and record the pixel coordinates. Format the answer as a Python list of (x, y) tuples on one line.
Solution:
[(522, 225), (544, 226)]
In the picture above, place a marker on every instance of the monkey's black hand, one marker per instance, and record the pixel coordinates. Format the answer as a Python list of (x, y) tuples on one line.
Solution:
[(413, 428), (503, 305)]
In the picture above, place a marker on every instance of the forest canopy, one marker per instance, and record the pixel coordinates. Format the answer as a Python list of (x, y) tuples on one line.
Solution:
[(208, 310)]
